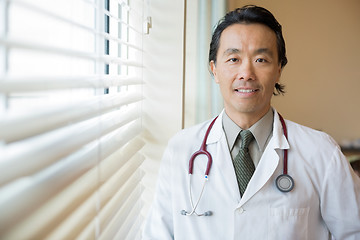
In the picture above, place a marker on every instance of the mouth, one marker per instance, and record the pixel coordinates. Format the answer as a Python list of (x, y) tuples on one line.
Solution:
[(241, 90)]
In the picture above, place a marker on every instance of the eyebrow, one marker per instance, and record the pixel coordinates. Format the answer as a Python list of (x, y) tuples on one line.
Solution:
[(230, 51), (264, 50)]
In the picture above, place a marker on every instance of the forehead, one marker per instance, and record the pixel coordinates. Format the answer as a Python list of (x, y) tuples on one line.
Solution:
[(247, 37)]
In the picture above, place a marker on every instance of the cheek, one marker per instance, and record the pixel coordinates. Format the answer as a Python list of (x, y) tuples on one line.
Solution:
[(272, 77), (226, 84), (219, 78)]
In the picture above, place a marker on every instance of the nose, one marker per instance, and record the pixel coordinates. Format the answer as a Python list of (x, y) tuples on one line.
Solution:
[(246, 71)]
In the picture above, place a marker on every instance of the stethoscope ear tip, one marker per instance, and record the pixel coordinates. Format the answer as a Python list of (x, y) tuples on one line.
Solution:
[(183, 212)]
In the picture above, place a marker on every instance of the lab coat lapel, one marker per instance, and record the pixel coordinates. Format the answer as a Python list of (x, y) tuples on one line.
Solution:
[(221, 156), (268, 162)]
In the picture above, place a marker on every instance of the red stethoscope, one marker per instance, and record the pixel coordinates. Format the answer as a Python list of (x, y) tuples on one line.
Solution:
[(284, 182)]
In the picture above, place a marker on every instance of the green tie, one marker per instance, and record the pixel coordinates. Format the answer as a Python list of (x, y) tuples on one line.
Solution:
[(243, 164)]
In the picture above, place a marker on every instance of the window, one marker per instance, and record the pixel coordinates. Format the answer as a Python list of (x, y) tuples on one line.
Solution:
[(71, 78)]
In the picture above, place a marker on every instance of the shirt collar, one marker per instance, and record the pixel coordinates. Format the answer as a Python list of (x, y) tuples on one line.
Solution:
[(261, 130)]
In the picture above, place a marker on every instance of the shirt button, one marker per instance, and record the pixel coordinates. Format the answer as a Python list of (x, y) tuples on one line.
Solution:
[(241, 210)]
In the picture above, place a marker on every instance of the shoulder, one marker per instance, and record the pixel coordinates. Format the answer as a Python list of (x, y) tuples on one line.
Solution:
[(195, 132), (185, 142), (313, 139)]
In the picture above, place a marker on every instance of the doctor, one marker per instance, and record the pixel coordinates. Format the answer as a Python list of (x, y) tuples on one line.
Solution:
[(247, 55)]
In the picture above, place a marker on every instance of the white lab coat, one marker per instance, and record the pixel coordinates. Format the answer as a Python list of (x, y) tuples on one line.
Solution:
[(325, 199)]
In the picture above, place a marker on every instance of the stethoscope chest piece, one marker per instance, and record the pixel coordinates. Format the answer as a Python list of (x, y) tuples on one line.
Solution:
[(284, 183)]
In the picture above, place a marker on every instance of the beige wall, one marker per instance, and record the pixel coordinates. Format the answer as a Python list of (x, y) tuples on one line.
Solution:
[(322, 77)]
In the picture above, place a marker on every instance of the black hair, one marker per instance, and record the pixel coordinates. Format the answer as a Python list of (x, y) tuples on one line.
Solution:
[(251, 14), (356, 164)]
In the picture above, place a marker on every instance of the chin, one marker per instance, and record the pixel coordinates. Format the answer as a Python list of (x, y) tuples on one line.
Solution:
[(251, 109)]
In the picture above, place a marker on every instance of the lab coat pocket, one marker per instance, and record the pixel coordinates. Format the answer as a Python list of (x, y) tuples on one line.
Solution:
[(288, 223)]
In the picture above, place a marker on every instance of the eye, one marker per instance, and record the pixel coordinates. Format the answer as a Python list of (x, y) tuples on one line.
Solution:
[(233, 60), (261, 60)]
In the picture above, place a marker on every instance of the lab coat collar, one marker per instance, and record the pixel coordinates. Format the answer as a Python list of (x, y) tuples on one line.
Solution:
[(216, 131), (278, 140)]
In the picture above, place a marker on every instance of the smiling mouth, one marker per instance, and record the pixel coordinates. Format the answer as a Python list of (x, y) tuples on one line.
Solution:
[(246, 90)]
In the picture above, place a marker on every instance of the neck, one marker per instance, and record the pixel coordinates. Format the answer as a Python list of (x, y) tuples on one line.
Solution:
[(245, 120)]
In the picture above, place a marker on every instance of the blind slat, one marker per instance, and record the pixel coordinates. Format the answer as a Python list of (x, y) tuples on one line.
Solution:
[(121, 229), (135, 231), (30, 84), (39, 158), (119, 20), (115, 196), (15, 128), (39, 189), (48, 49), (51, 213), (124, 218), (51, 14), (129, 8), (85, 217), (40, 11), (70, 166), (107, 36)]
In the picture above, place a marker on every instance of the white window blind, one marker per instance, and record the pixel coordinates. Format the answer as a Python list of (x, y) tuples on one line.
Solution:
[(70, 118)]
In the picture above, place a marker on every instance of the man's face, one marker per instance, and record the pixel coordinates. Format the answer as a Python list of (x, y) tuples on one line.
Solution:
[(247, 69)]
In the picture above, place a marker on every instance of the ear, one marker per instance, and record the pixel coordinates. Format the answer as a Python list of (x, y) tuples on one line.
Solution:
[(213, 70)]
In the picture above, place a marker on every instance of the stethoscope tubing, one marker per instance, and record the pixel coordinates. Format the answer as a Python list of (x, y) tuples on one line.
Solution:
[(284, 182), (285, 168), (191, 198), (203, 150)]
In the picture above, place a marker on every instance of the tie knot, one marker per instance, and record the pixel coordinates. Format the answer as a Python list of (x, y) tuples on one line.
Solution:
[(246, 138)]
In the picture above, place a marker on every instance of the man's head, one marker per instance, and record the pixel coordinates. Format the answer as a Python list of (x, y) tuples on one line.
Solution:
[(247, 15), (247, 55)]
